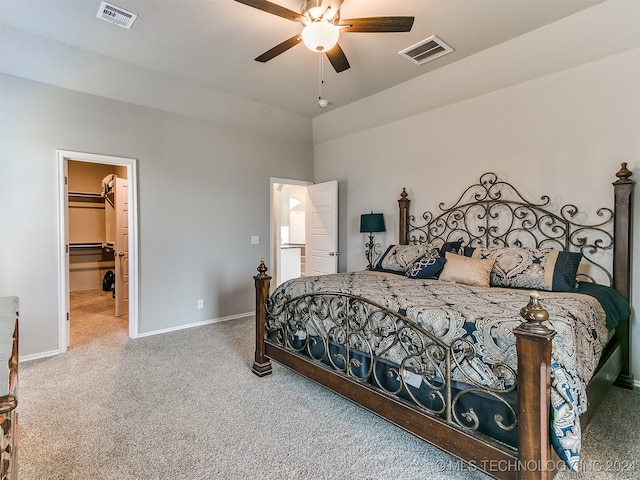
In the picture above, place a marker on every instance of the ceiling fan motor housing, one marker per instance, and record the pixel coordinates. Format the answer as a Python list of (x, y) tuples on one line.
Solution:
[(314, 10), (311, 9)]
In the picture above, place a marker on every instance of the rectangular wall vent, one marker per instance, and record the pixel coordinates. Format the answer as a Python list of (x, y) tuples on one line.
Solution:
[(116, 15), (426, 50)]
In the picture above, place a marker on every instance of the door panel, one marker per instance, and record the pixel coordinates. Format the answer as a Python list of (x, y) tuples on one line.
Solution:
[(322, 228), (66, 342), (122, 246)]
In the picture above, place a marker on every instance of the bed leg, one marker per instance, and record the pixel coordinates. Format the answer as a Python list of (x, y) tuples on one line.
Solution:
[(261, 364), (533, 344)]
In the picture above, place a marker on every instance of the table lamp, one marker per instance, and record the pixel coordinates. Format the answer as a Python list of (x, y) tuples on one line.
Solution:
[(372, 223)]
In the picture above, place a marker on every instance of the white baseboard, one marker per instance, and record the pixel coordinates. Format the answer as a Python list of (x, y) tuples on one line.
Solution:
[(37, 356), (196, 324), (52, 353)]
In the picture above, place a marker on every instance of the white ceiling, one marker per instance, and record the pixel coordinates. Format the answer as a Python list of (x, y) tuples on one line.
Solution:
[(213, 42)]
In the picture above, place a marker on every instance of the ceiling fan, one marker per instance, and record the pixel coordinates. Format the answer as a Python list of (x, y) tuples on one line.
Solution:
[(322, 27)]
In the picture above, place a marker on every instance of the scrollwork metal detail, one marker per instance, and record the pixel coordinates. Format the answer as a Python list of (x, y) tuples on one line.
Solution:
[(493, 213), (389, 352)]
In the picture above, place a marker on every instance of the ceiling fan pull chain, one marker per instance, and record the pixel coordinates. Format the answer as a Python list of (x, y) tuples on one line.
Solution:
[(321, 101), (321, 76)]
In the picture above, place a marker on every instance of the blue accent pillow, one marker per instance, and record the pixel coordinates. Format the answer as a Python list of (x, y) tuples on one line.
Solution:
[(468, 251), (453, 247), (427, 266), (565, 272)]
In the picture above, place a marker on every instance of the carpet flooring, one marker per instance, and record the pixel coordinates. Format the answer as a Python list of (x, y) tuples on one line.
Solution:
[(184, 405), (92, 316)]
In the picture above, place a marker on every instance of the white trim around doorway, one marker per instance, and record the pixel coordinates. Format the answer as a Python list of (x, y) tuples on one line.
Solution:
[(63, 259)]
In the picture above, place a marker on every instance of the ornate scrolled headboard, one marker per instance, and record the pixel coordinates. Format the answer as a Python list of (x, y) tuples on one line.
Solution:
[(493, 213)]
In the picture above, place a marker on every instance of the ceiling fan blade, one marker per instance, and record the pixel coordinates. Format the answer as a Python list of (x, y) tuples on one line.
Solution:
[(377, 24), (280, 48), (338, 59), (274, 9)]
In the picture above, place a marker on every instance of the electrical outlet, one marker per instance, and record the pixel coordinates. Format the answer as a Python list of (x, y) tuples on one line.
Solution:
[(200, 303), (255, 239)]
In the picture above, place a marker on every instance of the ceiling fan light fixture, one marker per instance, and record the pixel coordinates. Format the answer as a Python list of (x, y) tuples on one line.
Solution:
[(320, 36)]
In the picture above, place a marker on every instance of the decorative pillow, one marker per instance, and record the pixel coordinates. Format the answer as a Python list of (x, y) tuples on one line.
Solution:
[(378, 265), (427, 266), (539, 269), (453, 247), (468, 251), (398, 258), (467, 270)]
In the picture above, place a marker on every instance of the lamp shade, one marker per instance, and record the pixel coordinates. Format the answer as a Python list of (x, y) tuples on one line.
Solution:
[(372, 222), (320, 36)]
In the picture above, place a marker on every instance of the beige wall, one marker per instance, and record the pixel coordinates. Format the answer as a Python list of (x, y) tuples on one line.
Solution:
[(203, 191)]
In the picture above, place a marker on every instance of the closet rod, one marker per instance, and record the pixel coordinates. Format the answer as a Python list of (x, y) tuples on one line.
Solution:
[(85, 194)]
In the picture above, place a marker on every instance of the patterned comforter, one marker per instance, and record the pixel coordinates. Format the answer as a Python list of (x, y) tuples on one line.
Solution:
[(486, 316)]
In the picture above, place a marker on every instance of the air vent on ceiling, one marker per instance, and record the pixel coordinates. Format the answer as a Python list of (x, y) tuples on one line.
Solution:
[(116, 15), (426, 50)]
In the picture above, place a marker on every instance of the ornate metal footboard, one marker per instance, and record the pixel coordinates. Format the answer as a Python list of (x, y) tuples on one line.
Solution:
[(387, 351), (392, 366)]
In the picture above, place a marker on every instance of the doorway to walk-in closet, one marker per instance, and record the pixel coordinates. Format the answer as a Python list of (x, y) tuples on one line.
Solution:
[(96, 224), (94, 206)]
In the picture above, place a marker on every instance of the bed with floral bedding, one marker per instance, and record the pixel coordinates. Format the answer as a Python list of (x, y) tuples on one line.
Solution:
[(492, 329)]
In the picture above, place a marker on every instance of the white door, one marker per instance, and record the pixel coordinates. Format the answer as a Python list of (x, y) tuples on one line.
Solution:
[(122, 246), (321, 236)]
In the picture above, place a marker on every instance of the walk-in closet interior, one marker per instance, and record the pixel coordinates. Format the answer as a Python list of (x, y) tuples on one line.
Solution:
[(98, 256)]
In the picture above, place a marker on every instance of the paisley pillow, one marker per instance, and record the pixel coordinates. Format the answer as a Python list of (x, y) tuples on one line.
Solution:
[(533, 268), (398, 258)]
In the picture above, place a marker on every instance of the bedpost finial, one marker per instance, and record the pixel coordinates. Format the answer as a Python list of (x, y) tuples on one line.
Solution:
[(262, 269), (624, 174), (404, 198), (533, 313)]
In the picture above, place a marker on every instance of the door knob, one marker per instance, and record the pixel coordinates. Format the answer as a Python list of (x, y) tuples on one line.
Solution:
[(121, 254)]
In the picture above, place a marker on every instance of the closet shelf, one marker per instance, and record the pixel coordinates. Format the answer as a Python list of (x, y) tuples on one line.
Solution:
[(94, 200), (86, 195), (107, 245)]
